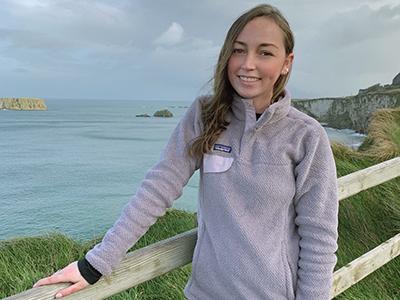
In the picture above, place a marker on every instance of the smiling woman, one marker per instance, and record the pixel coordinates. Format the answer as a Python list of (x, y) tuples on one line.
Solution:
[(258, 60), (268, 203)]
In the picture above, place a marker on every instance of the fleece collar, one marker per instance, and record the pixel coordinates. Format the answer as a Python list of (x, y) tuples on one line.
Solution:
[(244, 110)]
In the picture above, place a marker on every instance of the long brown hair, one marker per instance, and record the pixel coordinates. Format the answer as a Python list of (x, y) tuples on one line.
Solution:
[(214, 111)]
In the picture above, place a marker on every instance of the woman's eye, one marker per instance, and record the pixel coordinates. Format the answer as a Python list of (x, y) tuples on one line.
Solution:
[(265, 53), (238, 51)]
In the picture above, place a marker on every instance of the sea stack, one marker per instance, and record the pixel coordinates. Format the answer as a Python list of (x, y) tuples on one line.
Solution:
[(165, 113), (22, 104)]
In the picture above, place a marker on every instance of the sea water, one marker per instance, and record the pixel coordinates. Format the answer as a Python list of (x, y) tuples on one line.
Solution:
[(72, 168)]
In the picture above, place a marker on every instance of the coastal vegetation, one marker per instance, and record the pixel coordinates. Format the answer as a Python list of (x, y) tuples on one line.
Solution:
[(365, 221), (22, 104)]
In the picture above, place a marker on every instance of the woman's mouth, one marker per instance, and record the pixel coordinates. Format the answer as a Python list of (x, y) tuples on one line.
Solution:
[(248, 78)]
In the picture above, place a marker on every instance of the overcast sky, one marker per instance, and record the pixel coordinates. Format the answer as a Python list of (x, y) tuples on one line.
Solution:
[(167, 50)]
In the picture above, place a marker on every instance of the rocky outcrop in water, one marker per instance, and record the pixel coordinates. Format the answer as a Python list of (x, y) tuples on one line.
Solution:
[(22, 104), (351, 112), (165, 113)]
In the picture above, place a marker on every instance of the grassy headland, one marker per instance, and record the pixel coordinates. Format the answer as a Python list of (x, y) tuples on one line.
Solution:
[(365, 220)]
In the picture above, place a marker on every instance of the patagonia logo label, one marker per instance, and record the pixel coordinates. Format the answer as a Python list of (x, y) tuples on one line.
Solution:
[(223, 148)]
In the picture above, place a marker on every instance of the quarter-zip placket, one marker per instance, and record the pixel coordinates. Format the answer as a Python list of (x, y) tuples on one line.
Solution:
[(245, 112), (249, 128)]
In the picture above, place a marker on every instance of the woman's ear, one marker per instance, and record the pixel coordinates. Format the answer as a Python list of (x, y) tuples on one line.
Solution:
[(287, 64)]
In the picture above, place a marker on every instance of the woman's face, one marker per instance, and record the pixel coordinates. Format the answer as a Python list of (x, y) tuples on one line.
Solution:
[(258, 59)]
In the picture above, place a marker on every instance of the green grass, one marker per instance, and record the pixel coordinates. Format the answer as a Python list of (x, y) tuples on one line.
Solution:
[(373, 216), (365, 221), (23, 261), (383, 140)]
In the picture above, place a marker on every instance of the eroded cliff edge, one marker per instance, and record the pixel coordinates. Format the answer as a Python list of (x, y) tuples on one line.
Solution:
[(352, 112)]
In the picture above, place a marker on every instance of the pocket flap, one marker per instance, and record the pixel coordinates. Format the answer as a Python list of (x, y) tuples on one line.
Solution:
[(216, 164)]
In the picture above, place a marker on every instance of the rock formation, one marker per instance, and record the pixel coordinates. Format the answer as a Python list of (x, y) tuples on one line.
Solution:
[(22, 104), (351, 112), (165, 113), (396, 80)]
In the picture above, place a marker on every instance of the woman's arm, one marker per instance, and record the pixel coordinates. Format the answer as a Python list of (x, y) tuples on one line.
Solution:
[(316, 205), (162, 184)]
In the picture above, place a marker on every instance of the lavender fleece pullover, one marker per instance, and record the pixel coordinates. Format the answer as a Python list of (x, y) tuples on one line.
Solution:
[(267, 211)]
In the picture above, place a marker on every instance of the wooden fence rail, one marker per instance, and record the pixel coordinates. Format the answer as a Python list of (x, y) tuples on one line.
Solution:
[(364, 265), (138, 266), (157, 259)]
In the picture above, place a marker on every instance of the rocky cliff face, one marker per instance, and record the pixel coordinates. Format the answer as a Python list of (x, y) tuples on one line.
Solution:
[(22, 104), (396, 80), (351, 112)]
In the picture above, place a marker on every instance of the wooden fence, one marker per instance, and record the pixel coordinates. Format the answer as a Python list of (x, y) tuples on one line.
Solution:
[(162, 257)]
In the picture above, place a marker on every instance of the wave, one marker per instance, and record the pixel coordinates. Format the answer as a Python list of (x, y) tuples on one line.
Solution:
[(119, 138)]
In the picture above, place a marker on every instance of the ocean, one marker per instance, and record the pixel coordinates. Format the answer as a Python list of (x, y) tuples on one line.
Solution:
[(72, 168)]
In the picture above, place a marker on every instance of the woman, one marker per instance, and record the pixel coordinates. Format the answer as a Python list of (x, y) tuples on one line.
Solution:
[(268, 206)]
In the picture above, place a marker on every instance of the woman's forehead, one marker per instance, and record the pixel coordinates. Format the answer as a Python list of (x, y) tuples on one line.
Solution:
[(261, 31)]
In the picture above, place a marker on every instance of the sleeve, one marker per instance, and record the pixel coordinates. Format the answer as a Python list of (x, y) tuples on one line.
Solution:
[(316, 205), (162, 184), (87, 271)]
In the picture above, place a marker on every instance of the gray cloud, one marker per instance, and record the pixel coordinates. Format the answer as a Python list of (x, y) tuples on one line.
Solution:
[(28, 39), (172, 36), (359, 25), (352, 49), (168, 49)]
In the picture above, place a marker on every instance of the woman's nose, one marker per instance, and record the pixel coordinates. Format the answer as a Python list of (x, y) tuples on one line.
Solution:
[(248, 62)]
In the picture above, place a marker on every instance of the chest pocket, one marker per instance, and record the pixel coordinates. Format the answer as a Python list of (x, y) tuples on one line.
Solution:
[(216, 164)]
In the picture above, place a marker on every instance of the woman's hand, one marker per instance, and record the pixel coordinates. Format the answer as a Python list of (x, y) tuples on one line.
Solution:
[(69, 274)]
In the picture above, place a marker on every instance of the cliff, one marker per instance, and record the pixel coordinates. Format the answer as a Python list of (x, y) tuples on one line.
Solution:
[(352, 112), (22, 104)]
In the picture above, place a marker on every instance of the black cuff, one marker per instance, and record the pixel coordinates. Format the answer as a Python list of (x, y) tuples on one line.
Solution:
[(88, 272)]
